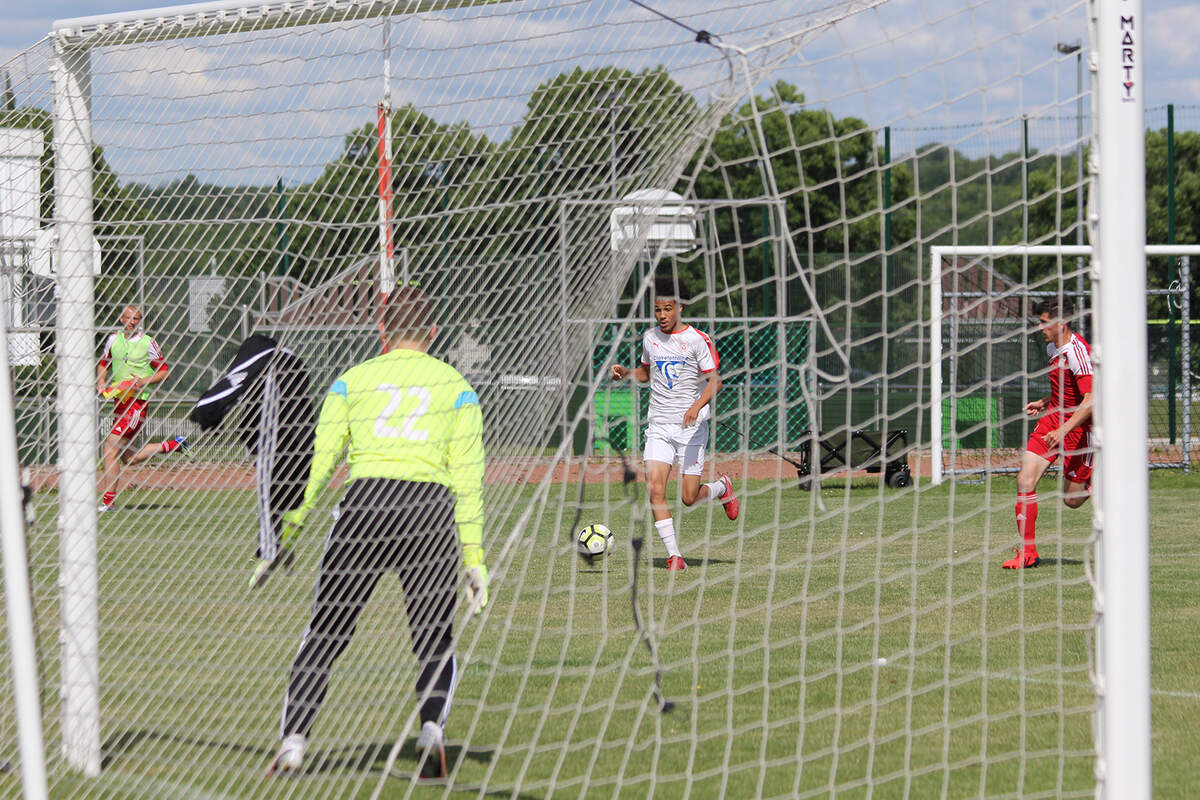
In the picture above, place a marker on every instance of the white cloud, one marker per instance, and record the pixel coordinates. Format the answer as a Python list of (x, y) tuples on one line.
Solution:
[(1174, 35), (284, 99)]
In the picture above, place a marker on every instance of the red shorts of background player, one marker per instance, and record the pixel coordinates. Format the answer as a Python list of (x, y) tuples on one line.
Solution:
[(1076, 448), (129, 418)]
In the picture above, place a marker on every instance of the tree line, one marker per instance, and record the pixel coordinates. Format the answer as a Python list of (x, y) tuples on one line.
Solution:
[(491, 207)]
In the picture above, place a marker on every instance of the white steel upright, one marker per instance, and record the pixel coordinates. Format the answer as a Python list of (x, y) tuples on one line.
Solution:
[(1121, 514), (78, 575), (17, 598)]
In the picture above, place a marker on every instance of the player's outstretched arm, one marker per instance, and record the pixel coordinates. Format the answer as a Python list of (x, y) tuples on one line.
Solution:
[(641, 374), (1082, 413), (159, 376), (464, 455), (1036, 406)]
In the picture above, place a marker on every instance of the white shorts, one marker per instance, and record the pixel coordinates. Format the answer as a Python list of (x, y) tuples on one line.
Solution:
[(672, 443)]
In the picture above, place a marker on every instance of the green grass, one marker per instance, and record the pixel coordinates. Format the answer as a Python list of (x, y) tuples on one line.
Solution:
[(768, 643)]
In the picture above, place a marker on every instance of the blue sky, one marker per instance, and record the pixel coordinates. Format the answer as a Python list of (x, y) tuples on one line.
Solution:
[(879, 65), (1172, 61)]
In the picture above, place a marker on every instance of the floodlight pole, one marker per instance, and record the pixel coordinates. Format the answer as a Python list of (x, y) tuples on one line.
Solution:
[(1067, 48), (1079, 239), (1121, 511), (612, 145)]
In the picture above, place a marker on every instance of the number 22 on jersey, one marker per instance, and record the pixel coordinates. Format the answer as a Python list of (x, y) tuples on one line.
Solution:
[(407, 430)]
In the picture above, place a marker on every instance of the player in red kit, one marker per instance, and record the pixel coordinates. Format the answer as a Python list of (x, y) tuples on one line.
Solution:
[(1065, 428), (137, 364)]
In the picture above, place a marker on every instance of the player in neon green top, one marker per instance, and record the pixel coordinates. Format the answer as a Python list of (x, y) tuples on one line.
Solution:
[(406, 416), (137, 364), (412, 434)]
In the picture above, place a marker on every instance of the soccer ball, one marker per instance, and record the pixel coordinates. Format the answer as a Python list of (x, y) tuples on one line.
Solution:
[(594, 540)]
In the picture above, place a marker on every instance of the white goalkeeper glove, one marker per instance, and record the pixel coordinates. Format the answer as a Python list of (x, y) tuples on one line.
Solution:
[(477, 578), (289, 531)]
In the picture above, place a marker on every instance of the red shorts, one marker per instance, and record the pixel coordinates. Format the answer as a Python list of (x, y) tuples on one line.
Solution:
[(129, 418), (1076, 448)]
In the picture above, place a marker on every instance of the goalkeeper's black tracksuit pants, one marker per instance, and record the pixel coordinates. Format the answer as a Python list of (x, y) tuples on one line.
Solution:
[(383, 525)]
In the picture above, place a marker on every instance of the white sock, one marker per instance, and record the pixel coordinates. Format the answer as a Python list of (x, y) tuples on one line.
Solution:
[(716, 490), (666, 532)]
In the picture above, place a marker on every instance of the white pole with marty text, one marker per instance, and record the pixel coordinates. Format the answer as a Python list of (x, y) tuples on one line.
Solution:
[(1121, 514)]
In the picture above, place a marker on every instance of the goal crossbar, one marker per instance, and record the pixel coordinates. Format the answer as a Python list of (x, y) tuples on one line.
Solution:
[(233, 16)]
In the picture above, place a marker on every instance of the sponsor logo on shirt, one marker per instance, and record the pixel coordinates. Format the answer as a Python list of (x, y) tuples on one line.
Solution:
[(671, 370)]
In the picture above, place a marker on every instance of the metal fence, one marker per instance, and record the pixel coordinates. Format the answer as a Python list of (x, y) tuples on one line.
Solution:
[(764, 367)]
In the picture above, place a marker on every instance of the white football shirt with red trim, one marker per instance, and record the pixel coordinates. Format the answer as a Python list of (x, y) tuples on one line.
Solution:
[(679, 365)]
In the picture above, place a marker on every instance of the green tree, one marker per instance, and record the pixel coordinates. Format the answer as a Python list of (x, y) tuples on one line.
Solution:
[(112, 206), (334, 219), (828, 171), (1187, 209), (594, 134), (590, 135), (1187, 224)]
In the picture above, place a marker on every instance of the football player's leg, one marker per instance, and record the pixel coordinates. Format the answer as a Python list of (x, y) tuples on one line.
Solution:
[(113, 445), (172, 445), (1076, 494), (1077, 467), (347, 577), (151, 449), (1033, 466), (117, 447), (657, 474), (428, 559), (430, 577), (114, 449), (691, 465), (693, 490), (659, 455)]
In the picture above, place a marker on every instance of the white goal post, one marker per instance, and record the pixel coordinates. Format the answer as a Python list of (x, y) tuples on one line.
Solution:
[(852, 639), (937, 297)]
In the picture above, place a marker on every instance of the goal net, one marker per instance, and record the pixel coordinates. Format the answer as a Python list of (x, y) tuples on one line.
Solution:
[(535, 167)]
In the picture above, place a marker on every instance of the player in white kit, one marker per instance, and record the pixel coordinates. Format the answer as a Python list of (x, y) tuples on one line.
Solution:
[(680, 363)]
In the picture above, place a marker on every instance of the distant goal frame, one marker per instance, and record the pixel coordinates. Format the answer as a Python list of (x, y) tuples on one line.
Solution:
[(938, 472)]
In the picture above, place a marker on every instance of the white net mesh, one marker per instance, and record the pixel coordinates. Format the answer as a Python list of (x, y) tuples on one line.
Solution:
[(791, 163)]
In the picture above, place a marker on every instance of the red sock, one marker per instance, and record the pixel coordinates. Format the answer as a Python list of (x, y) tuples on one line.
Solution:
[(109, 497), (169, 445), (1026, 517)]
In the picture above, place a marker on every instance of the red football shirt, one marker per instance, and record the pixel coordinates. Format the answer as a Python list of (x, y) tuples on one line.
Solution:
[(1070, 374)]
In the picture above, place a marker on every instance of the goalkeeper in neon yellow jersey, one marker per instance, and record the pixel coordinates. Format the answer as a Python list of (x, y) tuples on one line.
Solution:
[(412, 433)]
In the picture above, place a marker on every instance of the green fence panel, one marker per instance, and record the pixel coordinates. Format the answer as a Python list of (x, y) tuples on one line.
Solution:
[(755, 379), (976, 423)]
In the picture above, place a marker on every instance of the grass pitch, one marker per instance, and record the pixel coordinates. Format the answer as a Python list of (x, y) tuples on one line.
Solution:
[(879, 651)]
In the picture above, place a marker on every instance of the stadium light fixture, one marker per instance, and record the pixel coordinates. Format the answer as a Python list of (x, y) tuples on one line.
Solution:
[(1066, 49)]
